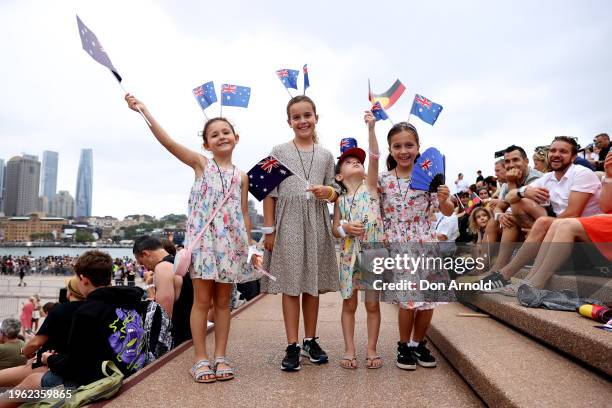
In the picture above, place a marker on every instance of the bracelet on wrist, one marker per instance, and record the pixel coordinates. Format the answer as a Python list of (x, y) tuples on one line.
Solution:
[(267, 230), (341, 232)]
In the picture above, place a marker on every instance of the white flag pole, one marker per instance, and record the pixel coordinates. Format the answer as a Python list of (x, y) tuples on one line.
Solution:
[(125, 92)]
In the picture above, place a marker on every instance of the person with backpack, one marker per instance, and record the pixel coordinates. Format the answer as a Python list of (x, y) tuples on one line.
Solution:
[(108, 326), (172, 292)]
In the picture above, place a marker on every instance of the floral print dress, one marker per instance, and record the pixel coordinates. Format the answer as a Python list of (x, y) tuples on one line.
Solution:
[(365, 208), (222, 252), (408, 231)]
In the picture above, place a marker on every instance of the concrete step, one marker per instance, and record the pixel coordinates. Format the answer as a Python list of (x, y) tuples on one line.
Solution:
[(509, 369), (565, 331)]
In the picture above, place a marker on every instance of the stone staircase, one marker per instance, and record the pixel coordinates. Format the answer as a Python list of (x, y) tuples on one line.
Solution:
[(528, 357)]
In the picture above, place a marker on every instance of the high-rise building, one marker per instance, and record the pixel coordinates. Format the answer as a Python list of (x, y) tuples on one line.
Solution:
[(48, 177), (22, 182), (84, 184), (2, 185), (63, 204)]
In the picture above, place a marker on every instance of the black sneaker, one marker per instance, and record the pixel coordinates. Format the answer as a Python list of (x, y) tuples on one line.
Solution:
[(423, 355), (405, 359), (314, 352), (291, 362), (496, 281)]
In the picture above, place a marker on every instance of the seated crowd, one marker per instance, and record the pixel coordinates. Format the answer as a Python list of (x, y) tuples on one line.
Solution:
[(100, 322), (535, 214)]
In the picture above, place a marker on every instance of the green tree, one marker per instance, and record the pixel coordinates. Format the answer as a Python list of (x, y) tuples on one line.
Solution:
[(83, 236)]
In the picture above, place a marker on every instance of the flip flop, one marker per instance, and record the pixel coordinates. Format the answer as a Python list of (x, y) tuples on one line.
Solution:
[(370, 362), (352, 360)]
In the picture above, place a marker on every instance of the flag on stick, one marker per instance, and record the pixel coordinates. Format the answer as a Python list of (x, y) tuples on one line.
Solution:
[(265, 176), (378, 112), (425, 109), (387, 99), (288, 77), (205, 94), (235, 95), (93, 47)]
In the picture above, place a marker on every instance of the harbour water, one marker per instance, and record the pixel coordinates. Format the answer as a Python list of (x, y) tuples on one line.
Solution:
[(61, 251)]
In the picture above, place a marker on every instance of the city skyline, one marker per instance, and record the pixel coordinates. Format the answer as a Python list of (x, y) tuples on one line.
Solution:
[(22, 185)]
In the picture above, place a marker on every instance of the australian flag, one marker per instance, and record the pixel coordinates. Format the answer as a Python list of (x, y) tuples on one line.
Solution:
[(94, 48), (235, 95), (425, 109), (265, 176), (205, 94), (288, 77), (378, 112)]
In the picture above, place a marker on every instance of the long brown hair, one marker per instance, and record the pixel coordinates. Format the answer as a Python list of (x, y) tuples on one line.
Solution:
[(303, 98), (398, 128)]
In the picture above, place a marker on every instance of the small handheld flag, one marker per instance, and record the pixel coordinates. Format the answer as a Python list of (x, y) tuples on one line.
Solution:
[(205, 95), (93, 47), (387, 99), (265, 176), (235, 95), (288, 77), (378, 112), (425, 109), (306, 80)]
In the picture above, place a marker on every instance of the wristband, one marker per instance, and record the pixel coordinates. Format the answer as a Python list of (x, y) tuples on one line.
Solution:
[(267, 230), (341, 232)]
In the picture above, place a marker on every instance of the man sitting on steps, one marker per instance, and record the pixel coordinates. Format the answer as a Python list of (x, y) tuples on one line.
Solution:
[(568, 191)]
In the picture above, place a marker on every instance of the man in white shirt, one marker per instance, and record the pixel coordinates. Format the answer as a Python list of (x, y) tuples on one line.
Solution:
[(461, 184), (447, 231), (567, 191)]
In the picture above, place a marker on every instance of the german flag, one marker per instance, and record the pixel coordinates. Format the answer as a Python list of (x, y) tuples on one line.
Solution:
[(387, 99)]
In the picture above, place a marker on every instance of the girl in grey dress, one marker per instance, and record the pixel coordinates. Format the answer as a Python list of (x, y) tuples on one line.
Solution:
[(299, 243)]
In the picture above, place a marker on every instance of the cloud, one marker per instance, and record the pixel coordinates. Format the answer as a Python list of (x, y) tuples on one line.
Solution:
[(504, 74)]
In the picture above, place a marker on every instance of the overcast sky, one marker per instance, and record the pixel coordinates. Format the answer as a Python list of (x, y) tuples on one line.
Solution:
[(505, 72)]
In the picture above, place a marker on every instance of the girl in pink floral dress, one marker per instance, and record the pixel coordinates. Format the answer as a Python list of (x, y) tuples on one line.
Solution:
[(220, 259), (409, 231)]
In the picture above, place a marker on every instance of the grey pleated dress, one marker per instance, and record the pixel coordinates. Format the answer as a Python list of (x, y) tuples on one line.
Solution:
[(304, 255)]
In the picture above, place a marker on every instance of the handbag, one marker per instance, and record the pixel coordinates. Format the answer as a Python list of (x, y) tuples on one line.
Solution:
[(103, 388), (182, 259)]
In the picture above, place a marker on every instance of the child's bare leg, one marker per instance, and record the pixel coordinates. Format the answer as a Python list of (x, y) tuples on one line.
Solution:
[(405, 321), (310, 310), (291, 316), (349, 307), (202, 297), (373, 324), (222, 293)]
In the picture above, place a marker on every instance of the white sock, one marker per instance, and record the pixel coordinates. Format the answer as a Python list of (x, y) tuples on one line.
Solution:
[(307, 338), (413, 343)]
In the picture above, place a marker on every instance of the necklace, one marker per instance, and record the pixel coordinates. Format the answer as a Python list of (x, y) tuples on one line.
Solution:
[(221, 175), (306, 175), (350, 211), (399, 186)]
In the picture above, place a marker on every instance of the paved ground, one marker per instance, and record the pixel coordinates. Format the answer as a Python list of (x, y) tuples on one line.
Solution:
[(257, 344)]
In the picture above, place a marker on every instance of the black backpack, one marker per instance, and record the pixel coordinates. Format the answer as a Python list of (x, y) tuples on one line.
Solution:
[(158, 331)]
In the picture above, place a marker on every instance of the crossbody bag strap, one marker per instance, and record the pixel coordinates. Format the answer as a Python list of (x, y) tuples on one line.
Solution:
[(213, 213)]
